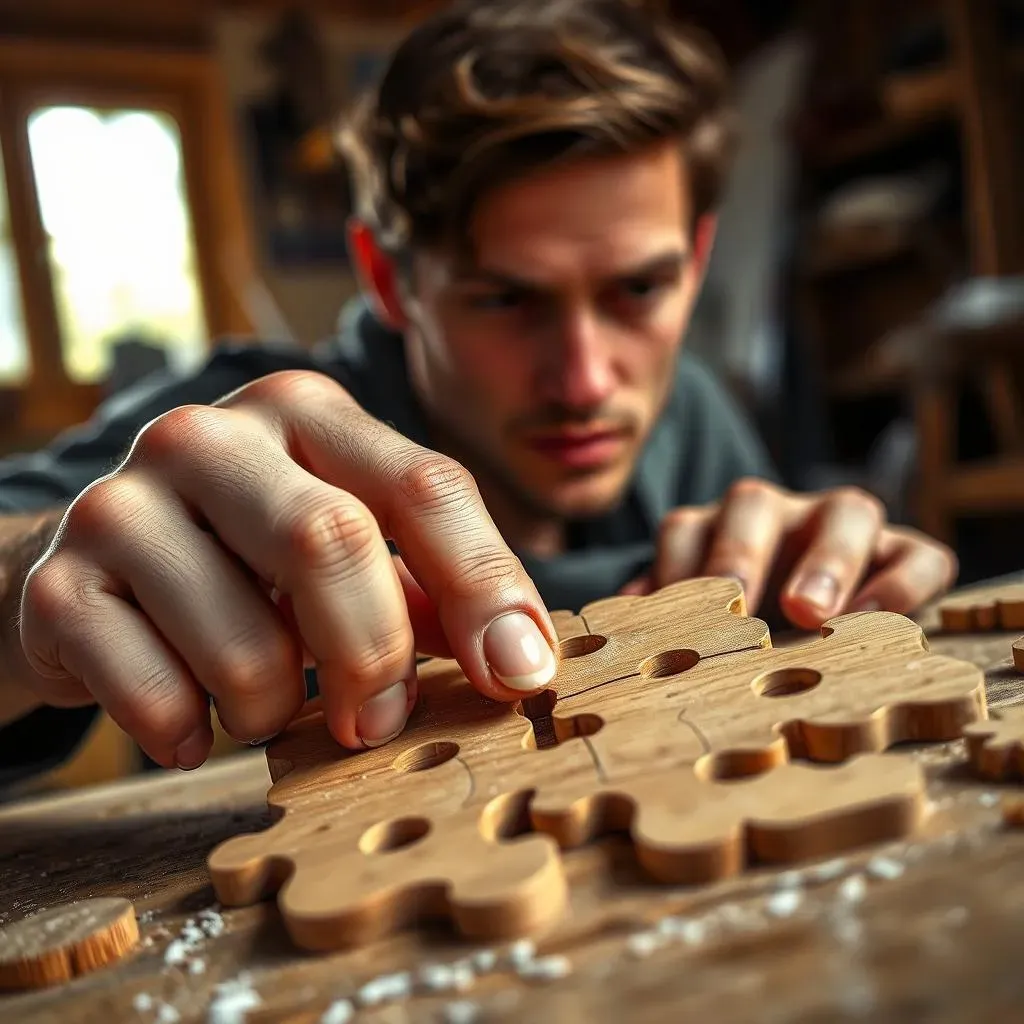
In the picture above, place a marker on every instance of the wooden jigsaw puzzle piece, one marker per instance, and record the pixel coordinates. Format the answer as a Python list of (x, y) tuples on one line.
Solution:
[(866, 685), (996, 747), (689, 830), (983, 609), (353, 885), (348, 868), (654, 635), (1018, 654)]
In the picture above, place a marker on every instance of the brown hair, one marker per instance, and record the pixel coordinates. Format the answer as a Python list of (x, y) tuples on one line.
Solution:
[(488, 89)]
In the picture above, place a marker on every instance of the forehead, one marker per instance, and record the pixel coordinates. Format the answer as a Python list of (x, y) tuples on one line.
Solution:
[(589, 216)]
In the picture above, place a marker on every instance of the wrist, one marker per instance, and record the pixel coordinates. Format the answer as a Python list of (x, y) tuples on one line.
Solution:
[(22, 540)]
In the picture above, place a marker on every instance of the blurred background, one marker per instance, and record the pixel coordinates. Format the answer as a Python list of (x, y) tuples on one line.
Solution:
[(168, 181)]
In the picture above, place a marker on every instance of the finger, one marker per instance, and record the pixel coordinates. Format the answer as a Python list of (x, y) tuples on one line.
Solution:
[(210, 610), (682, 545), (317, 545), (426, 625), (640, 587), (910, 570), (77, 624), (350, 609), (492, 615), (746, 537), (841, 535)]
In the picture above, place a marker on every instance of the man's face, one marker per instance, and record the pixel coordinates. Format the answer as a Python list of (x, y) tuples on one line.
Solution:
[(545, 361)]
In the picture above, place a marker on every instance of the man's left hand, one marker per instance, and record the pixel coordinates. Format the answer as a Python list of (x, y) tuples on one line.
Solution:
[(816, 555)]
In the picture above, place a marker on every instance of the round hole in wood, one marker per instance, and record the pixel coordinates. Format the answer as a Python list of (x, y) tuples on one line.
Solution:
[(787, 682), (577, 727), (578, 646), (668, 663), (389, 836), (427, 756)]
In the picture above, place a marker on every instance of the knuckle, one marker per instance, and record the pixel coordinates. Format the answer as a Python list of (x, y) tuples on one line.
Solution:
[(750, 488), (58, 607), (731, 553), (491, 572), (857, 497), (244, 666), (682, 519), (187, 428), (383, 655), (431, 481), (155, 702), (325, 534), (53, 595), (288, 387), (112, 502)]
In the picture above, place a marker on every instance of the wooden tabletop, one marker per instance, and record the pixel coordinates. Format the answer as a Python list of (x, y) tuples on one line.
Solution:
[(927, 930)]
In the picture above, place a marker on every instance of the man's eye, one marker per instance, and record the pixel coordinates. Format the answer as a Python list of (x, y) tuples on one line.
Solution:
[(496, 300), (642, 287)]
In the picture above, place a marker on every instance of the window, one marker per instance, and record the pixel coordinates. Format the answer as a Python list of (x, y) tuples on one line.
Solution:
[(123, 217), (14, 361), (119, 234)]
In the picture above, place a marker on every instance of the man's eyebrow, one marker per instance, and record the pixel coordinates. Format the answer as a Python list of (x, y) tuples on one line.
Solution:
[(661, 263)]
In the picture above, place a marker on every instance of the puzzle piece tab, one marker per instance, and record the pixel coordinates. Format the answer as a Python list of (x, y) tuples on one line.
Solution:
[(654, 635), (996, 747), (368, 842), (689, 830)]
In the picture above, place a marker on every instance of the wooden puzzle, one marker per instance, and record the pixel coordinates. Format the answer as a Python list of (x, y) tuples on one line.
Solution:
[(996, 746), (1018, 654), (984, 609), (671, 719)]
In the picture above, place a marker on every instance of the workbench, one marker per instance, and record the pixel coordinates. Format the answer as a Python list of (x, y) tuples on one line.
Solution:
[(929, 929)]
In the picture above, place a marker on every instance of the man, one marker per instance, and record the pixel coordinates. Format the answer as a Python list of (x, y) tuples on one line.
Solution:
[(536, 182)]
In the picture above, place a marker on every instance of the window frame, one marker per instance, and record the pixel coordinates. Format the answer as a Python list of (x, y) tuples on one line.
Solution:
[(187, 85)]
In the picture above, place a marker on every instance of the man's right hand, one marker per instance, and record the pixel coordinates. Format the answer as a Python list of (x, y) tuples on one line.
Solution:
[(237, 540)]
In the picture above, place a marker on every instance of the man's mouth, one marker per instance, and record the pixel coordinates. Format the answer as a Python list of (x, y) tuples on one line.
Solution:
[(579, 447)]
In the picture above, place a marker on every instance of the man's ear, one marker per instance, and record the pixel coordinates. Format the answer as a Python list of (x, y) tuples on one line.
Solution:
[(704, 241), (377, 275)]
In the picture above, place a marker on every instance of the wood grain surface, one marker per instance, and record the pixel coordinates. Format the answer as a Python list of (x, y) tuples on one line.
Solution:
[(923, 929), (55, 945)]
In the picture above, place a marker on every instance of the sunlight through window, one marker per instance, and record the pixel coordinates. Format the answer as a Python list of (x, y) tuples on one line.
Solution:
[(113, 202), (14, 360)]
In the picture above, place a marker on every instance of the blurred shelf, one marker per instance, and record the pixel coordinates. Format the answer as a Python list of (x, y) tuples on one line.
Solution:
[(920, 96), (910, 103), (855, 250)]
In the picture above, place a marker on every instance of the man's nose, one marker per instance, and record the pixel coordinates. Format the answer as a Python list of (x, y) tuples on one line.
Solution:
[(581, 365)]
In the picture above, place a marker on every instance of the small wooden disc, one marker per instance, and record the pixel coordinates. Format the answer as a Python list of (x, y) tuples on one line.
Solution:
[(56, 945)]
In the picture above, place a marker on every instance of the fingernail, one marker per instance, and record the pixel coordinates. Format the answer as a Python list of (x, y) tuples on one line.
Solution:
[(191, 753), (518, 653), (820, 589), (383, 717)]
